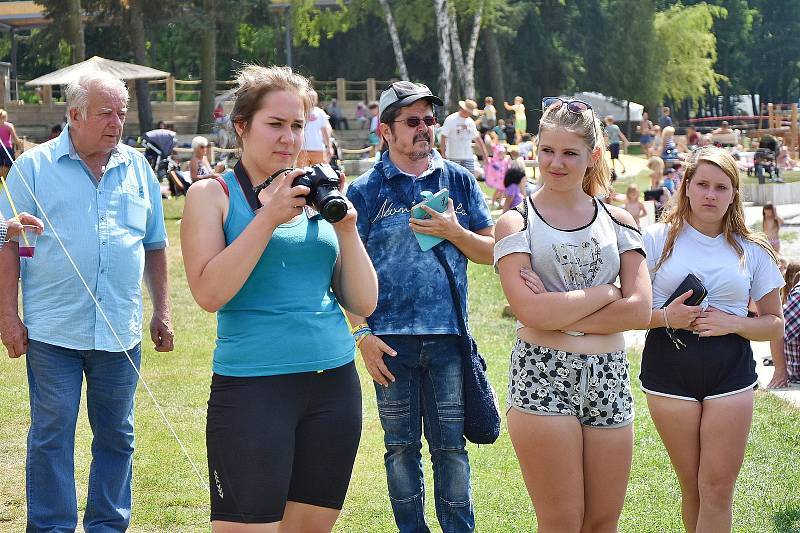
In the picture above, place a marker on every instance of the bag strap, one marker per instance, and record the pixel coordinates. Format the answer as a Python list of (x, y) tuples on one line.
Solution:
[(247, 187), (451, 279), (221, 181)]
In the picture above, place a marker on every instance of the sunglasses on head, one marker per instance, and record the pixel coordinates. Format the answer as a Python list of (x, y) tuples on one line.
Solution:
[(573, 106), (414, 122)]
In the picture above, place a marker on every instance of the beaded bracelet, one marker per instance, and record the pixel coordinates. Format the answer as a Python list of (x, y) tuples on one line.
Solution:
[(360, 332)]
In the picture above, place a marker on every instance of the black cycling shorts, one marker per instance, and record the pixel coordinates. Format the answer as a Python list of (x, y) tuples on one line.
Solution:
[(274, 439), (706, 368)]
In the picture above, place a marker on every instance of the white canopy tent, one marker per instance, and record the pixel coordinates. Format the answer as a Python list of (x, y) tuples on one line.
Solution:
[(119, 69), (605, 105)]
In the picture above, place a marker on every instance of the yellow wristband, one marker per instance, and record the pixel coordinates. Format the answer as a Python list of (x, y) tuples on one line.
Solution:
[(358, 327)]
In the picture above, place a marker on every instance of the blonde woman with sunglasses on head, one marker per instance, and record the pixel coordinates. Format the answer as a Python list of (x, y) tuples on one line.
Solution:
[(570, 409), (697, 365)]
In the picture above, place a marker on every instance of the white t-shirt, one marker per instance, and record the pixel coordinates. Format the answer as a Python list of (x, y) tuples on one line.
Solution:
[(459, 132), (730, 283), (317, 121)]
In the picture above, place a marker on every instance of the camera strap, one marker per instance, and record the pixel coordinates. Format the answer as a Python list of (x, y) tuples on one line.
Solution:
[(246, 186)]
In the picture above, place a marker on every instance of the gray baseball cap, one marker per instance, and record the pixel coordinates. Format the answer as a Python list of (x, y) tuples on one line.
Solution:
[(404, 93)]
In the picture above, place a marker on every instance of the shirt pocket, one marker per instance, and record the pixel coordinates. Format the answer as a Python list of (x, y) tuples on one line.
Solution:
[(135, 216)]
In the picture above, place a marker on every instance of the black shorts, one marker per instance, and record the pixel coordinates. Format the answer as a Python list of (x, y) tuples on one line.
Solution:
[(614, 149), (6, 159), (706, 368), (275, 439)]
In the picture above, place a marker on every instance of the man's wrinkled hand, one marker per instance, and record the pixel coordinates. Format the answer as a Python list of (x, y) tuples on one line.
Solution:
[(14, 335), (161, 334)]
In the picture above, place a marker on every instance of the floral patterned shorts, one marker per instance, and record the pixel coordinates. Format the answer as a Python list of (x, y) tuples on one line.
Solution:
[(596, 388)]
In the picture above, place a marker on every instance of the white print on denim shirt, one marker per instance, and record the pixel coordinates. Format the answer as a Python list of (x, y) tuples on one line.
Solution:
[(389, 210), (580, 263)]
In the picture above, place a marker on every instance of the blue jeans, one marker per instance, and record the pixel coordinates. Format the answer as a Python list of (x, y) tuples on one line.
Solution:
[(55, 376), (428, 389)]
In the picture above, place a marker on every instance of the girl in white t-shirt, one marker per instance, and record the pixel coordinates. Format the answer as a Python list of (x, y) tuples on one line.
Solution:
[(697, 365), (559, 255)]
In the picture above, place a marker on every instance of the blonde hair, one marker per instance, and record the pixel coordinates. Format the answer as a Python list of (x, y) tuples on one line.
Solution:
[(255, 82), (667, 133), (656, 164), (733, 223), (597, 179), (633, 187), (3, 115)]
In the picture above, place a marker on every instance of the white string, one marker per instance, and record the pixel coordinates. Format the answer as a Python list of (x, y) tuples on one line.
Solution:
[(52, 228)]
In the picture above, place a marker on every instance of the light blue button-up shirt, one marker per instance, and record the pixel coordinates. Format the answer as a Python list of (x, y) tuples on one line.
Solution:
[(106, 228)]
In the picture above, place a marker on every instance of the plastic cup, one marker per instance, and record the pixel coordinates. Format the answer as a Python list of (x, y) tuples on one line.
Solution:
[(27, 241)]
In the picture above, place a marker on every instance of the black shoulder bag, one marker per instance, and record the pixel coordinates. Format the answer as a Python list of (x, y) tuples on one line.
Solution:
[(481, 413)]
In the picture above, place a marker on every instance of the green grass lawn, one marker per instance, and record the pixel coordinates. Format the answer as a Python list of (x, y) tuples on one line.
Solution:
[(168, 496)]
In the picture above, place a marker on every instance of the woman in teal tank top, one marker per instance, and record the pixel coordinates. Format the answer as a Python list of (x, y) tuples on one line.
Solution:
[(284, 414)]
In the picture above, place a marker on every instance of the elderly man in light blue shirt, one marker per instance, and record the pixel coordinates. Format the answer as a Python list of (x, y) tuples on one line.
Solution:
[(101, 201)]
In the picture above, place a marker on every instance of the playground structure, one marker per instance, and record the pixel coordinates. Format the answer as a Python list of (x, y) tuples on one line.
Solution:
[(779, 120), (782, 122)]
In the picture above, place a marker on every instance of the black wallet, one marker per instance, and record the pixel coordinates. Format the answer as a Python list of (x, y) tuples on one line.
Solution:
[(693, 283)]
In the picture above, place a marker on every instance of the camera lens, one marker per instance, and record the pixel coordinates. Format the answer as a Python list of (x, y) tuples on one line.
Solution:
[(334, 209)]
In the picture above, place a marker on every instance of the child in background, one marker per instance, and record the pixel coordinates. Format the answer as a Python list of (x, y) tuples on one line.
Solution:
[(669, 180), (655, 145), (511, 133), (634, 204), (495, 172), (656, 166), (526, 147), (513, 181), (786, 352), (500, 130), (771, 225)]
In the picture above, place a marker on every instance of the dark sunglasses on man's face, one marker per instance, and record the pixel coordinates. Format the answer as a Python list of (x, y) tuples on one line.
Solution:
[(573, 106), (413, 122)]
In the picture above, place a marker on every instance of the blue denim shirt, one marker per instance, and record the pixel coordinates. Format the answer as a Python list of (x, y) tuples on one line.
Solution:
[(413, 294), (105, 226)]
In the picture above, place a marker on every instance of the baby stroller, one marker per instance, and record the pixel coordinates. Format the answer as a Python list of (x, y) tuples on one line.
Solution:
[(764, 163), (158, 146)]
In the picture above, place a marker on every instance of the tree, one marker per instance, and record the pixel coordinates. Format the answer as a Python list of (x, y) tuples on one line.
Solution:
[(208, 66), (465, 64), (445, 59), (395, 36), (75, 26), (774, 71), (137, 38), (687, 71), (616, 62)]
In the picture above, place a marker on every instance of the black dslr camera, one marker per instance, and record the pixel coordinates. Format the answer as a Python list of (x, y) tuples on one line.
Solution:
[(324, 195)]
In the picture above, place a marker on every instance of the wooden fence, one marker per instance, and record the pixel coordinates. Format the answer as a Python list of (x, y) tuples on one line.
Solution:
[(171, 89)]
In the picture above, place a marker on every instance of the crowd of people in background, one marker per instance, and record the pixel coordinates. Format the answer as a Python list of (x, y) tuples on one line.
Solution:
[(576, 270)]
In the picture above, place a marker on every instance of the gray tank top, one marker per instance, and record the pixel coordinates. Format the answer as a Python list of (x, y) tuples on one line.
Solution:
[(568, 260)]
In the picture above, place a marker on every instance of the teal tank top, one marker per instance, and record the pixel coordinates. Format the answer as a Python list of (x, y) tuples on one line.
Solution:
[(285, 319)]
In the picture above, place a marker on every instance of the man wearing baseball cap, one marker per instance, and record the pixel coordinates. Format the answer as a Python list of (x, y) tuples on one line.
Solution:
[(458, 133), (410, 344)]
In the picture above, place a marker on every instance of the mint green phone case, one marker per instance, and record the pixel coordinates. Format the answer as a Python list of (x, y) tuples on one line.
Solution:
[(437, 202)]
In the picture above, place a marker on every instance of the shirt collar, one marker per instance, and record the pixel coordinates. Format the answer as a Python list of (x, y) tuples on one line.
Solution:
[(390, 170), (64, 147)]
